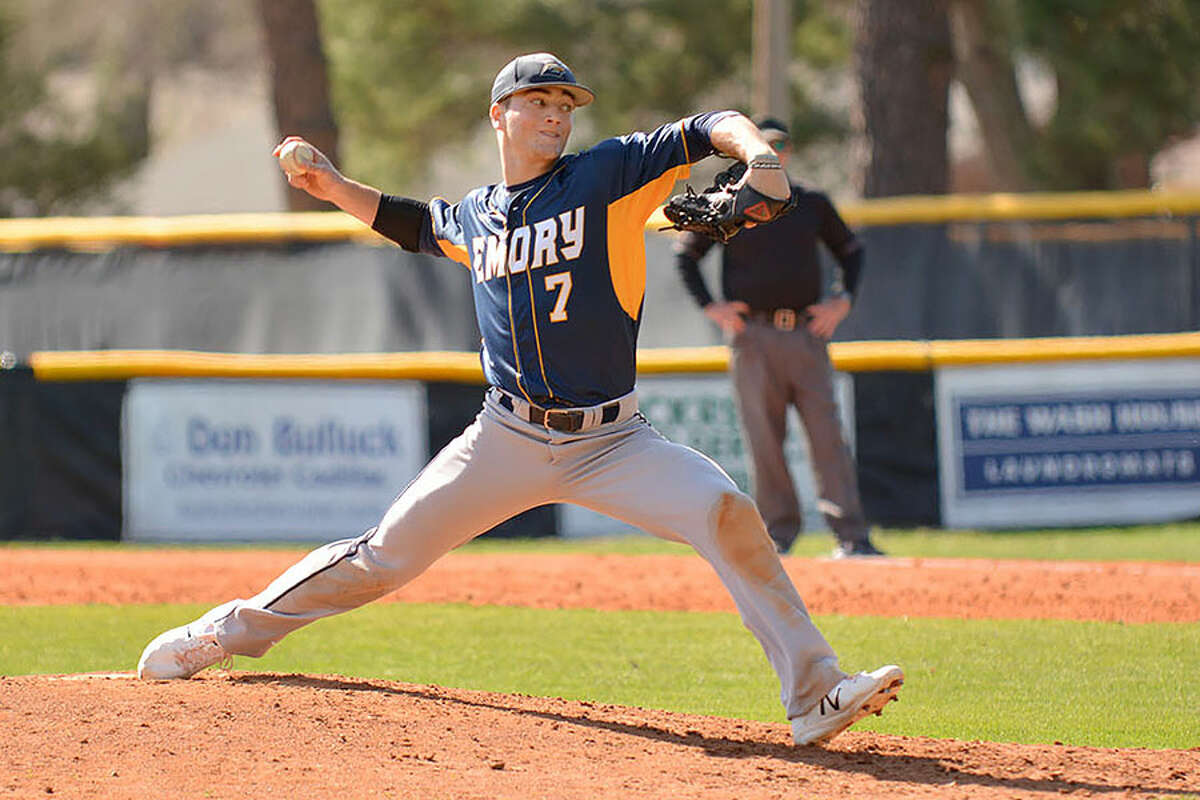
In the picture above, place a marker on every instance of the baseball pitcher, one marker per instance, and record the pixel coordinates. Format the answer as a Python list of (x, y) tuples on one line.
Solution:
[(555, 254)]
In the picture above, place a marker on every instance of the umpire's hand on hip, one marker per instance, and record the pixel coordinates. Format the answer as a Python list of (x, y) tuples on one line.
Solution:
[(728, 315), (827, 315)]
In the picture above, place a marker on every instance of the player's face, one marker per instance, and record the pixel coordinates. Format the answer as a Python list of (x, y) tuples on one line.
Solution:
[(538, 121)]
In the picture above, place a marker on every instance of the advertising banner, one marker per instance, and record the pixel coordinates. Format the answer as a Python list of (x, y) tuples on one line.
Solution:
[(261, 460), (700, 411), (1082, 443)]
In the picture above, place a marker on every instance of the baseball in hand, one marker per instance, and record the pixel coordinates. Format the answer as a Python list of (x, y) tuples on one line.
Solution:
[(296, 158)]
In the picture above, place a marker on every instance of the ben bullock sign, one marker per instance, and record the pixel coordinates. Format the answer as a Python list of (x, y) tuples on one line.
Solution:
[(267, 460)]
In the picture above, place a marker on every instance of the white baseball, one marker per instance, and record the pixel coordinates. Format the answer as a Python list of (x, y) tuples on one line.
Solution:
[(296, 158)]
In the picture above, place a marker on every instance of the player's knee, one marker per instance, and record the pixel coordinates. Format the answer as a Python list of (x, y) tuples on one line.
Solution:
[(741, 535), (387, 568), (392, 557), (735, 510)]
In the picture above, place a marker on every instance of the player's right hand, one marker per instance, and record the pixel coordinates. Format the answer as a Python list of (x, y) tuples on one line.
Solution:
[(318, 178)]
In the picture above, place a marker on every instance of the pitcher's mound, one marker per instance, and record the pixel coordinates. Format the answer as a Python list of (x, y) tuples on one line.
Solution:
[(259, 735)]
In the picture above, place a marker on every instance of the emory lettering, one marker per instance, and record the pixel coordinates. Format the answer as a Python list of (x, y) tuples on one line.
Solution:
[(529, 246)]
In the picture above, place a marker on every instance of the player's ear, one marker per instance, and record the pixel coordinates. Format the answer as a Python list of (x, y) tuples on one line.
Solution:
[(495, 112)]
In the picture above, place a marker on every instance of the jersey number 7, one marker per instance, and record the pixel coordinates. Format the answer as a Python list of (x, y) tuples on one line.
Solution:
[(562, 282)]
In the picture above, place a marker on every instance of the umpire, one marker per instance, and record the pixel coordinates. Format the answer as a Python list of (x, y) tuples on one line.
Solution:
[(779, 326)]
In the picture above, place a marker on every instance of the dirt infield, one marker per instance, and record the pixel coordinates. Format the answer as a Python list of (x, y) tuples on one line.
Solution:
[(254, 735), (964, 588)]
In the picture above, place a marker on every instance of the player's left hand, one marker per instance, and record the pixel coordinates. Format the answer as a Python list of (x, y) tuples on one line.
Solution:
[(729, 205), (827, 315)]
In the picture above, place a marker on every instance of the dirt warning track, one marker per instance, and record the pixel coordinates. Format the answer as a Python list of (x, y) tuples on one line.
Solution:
[(1128, 592)]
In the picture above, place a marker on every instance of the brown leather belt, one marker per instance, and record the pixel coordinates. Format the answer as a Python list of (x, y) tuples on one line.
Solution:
[(782, 319), (563, 420)]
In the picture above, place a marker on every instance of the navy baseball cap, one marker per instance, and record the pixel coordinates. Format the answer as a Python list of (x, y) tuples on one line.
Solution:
[(538, 69)]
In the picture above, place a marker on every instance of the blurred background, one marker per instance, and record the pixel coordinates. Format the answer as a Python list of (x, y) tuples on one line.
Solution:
[(152, 107), (1017, 169)]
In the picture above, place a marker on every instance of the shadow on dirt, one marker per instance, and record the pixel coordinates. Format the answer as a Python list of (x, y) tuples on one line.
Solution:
[(881, 757)]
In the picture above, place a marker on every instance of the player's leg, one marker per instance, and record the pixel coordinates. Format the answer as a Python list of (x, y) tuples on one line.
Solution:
[(674, 492), (762, 397), (488, 474), (833, 466)]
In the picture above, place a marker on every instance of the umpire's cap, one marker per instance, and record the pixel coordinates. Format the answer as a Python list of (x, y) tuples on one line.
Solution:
[(773, 130), (538, 69)]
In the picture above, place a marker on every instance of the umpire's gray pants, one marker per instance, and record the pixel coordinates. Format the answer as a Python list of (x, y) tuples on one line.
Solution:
[(500, 466), (772, 369)]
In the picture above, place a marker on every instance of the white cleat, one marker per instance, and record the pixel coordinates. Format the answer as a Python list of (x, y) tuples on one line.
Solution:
[(181, 653), (855, 697)]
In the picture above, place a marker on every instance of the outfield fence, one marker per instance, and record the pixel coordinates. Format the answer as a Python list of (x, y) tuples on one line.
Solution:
[(463, 367), (212, 446), (1011, 360), (937, 268)]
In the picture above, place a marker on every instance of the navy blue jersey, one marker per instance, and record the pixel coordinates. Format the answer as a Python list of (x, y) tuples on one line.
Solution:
[(559, 262)]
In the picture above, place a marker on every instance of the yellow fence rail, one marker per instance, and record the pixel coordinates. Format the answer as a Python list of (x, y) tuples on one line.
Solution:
[(101, 233), (459, 367)]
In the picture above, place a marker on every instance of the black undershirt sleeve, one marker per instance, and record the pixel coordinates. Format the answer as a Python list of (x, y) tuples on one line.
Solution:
[(689, 249), (844, 245), (400, 219), (851, 264)]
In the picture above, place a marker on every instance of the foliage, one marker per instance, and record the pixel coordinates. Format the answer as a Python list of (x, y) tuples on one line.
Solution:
[(76, 79), (155, 36), (1127, 74), (821, 45), (407, 84), (60, 159)]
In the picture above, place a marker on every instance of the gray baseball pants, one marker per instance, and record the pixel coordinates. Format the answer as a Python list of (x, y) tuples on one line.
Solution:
[(502, 465), (772, 369)]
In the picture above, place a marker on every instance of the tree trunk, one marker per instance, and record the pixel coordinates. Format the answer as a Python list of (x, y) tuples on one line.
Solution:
[(905, 64), (986, 69), (300, 84), (772, 40), (1131, 171)]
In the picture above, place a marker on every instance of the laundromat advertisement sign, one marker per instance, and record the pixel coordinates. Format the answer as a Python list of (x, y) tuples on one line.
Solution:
[(1069, 444)]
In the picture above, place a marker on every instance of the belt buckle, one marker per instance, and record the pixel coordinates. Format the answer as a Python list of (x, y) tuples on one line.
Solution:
[(563, 420), (784, 319)]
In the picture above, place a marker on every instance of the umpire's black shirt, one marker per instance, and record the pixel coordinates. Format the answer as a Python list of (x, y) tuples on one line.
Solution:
[(776, 265)]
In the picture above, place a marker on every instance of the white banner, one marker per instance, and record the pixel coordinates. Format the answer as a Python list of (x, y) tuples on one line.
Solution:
[(261, 460), (700, 411), (1081, 443)]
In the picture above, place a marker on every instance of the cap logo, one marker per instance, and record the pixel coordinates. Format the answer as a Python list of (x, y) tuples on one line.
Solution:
[(552, 70)]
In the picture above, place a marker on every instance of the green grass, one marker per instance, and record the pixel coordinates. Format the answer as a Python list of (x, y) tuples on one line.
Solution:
[(1173, 542), (1081, 683), (1170, 542)]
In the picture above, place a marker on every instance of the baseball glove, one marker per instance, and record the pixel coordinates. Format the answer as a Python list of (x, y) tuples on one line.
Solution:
[(724, 208)]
